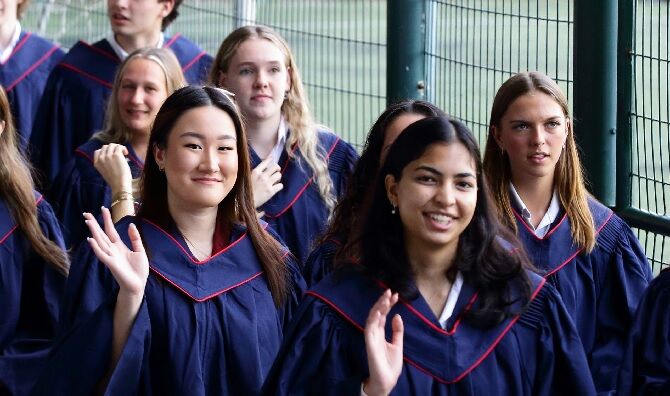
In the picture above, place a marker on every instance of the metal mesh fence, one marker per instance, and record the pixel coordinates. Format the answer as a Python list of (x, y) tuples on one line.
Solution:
[(650, 121)]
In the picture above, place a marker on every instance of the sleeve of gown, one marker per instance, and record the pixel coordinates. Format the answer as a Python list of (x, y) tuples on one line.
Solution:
[(348, 157), (41, 294), (320, 262), (646, 366), (320, 355), (624, 279), (561, 367), (298, 288), (80, 357)]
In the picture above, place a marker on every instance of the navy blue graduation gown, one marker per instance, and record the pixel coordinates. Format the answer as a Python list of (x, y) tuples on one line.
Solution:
[(79, 188), (207, 327), (646, 365), (600, 290), (30, 295), (24, 76), (297, 212), (319, 263), (537, 353), (74, 101)]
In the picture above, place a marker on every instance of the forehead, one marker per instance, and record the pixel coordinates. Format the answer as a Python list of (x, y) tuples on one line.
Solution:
[(258, 50), (209, 121), (143, 67), (447, 158), (534, 104)]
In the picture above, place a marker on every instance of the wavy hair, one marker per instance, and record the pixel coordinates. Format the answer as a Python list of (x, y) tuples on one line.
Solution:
[(114, 130), (359, 185), (17, 190), (295, 107), (487, 264), (568, 175), (237, 206)]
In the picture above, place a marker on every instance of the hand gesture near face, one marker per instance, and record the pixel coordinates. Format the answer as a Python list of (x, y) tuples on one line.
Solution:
[(384, 359), (129, 267), (110, 160), (265, 181)]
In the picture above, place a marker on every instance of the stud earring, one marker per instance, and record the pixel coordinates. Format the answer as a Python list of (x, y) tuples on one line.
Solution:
[(393, 210)]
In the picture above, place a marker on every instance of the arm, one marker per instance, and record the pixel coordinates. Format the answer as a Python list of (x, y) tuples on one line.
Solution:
[(130, 268), (110, 161)]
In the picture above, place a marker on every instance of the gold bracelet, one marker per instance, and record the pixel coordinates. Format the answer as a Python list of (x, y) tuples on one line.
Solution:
[(115, 202), (122, 196)]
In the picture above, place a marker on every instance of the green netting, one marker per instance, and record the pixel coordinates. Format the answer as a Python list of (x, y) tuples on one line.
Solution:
[(650, 120)]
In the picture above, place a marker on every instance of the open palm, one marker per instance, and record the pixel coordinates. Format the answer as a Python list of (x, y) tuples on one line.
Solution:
[(129, 267), (385, 358)]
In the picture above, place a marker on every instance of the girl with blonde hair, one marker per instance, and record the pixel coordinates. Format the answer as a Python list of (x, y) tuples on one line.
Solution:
[(583, 248), (103, 169), (299, 169)]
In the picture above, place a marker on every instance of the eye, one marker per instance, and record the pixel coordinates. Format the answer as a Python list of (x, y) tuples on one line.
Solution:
[(151, 89), (553, 124), (192, 146), (426, 179), (275, 69), (465, 185), (245, 71), (520, 126), (226, 148)]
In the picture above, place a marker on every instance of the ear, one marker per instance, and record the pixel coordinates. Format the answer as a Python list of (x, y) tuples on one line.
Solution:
[(391, 189), (288, 78), (159, 157), (168, 6)]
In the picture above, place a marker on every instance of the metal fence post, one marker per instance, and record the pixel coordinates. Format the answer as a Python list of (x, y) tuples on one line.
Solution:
[(406, 34), (595, 93), (245, 12)]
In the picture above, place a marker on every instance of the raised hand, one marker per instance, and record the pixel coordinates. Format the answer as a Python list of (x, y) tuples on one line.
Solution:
[(384, 359), (110, 161), (130, 268), (265, 181)]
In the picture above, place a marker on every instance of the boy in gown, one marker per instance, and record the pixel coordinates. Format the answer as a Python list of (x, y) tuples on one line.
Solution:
[(468, 317), (202, 310), (76, 94), (26, 60), (582, 248), (33, 267)]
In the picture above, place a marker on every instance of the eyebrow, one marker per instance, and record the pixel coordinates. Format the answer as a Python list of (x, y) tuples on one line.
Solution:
[(546, 119), (202, 137), (257, 63), (435, 171)]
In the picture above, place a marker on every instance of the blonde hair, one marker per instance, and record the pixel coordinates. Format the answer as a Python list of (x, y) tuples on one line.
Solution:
[(17, 190), (295, 107), (114, 131), (568, 175)]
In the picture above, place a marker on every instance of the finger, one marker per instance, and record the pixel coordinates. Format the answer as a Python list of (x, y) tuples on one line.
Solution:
[(263, 165), (373, 319), (260, 214), (275, 178), (99, 236), (96, 155), (135, 239), (398, 328), (277, 188), (275, 168), (109, 225)]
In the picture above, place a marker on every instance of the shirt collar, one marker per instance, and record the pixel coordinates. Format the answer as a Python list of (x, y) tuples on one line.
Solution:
[(452, 298), (6, 52), (121, 53), (282, 134), (549, 217)]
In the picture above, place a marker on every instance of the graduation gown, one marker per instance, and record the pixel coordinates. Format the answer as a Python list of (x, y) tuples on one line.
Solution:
[(74, 102), (30, 294), (297, 212), (646, 365), (80, 188), (537, 353), (203, 328), (24, 76), (600, 290), (320, 261)]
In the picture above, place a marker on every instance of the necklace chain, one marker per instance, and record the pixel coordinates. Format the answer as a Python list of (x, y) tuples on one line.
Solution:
[(194, 247)]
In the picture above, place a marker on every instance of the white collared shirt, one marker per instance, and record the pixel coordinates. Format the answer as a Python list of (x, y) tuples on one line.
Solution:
[(549, 217), (7, 51), (282, 134), (121, 53), (452, 298)]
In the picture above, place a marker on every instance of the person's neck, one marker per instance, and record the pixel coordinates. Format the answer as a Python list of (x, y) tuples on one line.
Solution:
[(197, 226), (430, 267), (139, 141), (263, 134), (7, 33), (135, 42), (536, 194)]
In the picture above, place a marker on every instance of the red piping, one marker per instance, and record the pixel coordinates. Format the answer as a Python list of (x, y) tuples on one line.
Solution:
[(31, 69), (211, 295), (92, 77), (17, 47)]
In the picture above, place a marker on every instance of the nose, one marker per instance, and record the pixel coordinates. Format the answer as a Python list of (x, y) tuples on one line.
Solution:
[(210, 161), (138, 96), (117, 3), (537, 136), (261, 79), (445, 194)]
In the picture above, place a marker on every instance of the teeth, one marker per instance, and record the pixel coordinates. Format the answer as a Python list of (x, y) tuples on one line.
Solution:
[(440, 218)]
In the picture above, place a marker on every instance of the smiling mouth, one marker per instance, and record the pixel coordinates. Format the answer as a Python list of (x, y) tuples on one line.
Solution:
[(440, 218)]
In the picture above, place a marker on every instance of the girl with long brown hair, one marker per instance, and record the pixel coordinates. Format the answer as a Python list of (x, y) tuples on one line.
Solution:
[(33, 266), (582, 247), (192, 295), (300, 169)]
